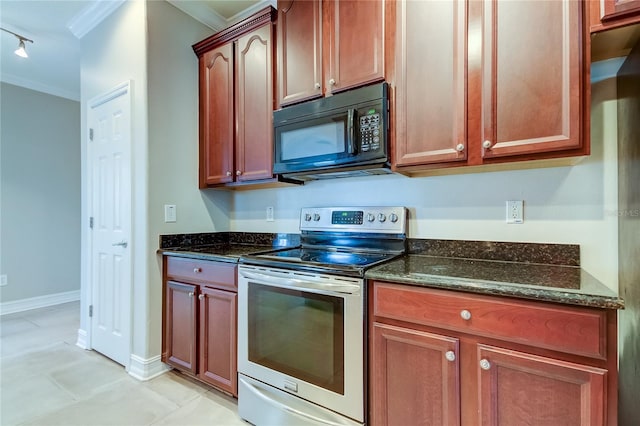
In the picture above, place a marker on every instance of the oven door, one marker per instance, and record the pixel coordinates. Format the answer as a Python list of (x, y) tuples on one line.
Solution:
[(303, 333)]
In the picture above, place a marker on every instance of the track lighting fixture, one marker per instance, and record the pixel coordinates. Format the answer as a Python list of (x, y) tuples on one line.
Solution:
[(20, 51)]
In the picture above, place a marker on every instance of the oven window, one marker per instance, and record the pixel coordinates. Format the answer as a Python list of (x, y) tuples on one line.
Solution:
[(298, 333)]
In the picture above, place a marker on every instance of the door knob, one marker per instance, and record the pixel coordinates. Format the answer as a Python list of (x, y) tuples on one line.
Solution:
[(122, 244)]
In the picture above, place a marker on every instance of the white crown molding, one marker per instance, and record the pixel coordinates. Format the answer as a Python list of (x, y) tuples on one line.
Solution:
[(40, 87), (201, 13), (38, 302), (91, 16)]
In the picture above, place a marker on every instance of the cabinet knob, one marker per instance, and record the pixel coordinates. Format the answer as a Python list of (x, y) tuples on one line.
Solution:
[(460, 147), (201, 296), (191, 294), (466, 315), (317, 85), (332, 82), (486, 144), (228, 173), (238, 172), (485, 364), (197, 270), (450, 356)]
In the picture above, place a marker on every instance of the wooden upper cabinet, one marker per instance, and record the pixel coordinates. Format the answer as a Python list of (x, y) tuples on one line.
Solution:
[(605, 14), (299, 50), (216, 116), (327, 46), (355, 51), (531, 77), (519, 388), (254, 105), (430, 95)]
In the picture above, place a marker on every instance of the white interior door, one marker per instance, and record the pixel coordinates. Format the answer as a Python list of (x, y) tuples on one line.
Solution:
[(109, 120)]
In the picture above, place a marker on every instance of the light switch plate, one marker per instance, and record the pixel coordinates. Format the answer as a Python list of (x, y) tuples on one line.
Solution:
[(270, 214), (170, 214), (3, 280)]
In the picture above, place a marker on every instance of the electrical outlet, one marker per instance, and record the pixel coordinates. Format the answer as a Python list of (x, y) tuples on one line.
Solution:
[(170, 214), (3, 280), (269, 214), (515, 211)]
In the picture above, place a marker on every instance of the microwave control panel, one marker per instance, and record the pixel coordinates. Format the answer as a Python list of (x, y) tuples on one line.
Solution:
[(371, 129)]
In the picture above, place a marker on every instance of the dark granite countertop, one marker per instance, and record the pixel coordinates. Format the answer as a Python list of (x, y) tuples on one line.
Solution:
[(219, 252), (543, 282)]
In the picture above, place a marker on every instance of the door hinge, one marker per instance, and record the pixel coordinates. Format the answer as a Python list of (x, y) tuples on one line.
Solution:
[(91, 222), (90, 134), (90, 311)]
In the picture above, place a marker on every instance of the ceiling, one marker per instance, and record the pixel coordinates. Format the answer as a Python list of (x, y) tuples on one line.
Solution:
[(57, 27)]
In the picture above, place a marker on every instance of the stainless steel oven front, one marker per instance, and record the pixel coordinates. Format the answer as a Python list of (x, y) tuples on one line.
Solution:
[(300, 347)]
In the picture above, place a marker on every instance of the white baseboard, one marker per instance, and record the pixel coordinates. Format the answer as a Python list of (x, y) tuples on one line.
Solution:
[(82, 339), (38, 302), (146, 369)]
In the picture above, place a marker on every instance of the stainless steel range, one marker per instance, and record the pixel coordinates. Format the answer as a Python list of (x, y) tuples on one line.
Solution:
[(302, 318)]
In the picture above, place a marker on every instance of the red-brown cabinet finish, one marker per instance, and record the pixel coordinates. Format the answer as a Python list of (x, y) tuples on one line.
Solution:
[(180, 326), (299, 50), (199, 322), (254, 103), (218, 359), (217, 135), (430, 108), (415, 378), (531, 77), (480, 82), (517, 361), (519, 388), (236, 103), (327, 46), (606, 14)]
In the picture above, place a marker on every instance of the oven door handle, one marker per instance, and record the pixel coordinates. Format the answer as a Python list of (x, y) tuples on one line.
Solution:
[(309, 283)]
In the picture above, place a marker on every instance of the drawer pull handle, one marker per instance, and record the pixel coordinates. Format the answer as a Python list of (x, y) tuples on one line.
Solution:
[(450, 356), (201, 296), (485, 364), (466, 315), (197, 270), (191, 294)]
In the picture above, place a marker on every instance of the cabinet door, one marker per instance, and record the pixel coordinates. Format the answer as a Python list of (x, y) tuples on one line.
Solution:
[(414, 378), (254, 103), (614, 9), (431, 82), (517, 388), (180, 326), (218, 364), (299, 50), (531, 77), (216, 116), (356, 43)]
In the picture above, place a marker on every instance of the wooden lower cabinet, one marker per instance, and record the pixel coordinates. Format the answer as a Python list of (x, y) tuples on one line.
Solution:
[(200, 321), (434, 369)]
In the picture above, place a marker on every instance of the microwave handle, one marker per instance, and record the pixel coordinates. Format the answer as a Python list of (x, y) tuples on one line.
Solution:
[(351, 137)]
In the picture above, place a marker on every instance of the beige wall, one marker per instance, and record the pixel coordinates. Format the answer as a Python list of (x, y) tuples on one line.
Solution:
[(40, 194)]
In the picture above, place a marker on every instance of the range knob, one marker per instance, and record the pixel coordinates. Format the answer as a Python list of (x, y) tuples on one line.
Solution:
[(393, 217), (307, 217), (316, 217), (382, 217), (371, 217)]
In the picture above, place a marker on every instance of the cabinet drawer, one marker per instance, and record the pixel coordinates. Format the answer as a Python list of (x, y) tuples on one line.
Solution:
[(580, 331), (218, 274)]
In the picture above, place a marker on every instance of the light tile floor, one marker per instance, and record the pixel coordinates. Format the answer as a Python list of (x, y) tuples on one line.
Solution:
[(45, 379)]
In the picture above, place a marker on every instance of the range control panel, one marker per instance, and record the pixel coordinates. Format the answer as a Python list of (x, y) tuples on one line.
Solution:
[(389, 220)]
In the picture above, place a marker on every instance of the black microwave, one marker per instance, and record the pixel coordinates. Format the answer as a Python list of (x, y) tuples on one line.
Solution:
[(346, 134)]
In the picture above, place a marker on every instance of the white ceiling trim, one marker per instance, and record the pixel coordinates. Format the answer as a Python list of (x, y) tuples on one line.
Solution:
[(201, 13), (40, 87), (91, 16)]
